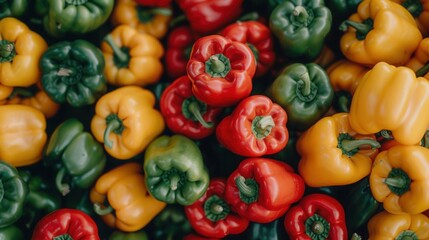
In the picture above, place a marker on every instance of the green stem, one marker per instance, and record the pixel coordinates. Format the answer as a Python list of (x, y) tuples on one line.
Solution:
[(362, 29), (76, 2), (21, 91), (248, 189), (356, 236), (64, 72), (343, 103), (121, 56), (177, 20), (217, 65), (7, 51), (300, 14), (215, 208), (113, 124), (64, 188), (316, 227), (63, 237), (102, 211), (350, 145), (415, 7), (305, 78), (194, 108), (174, 181), (262, 126), (423, 70), (407, 235), (251, 16), (398, 181), (425, 140)]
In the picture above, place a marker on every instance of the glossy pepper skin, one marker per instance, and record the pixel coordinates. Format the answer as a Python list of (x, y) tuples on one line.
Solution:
[(301, 27), (174, 170), (22, 134), (76, 157), (72, 72), (266, 231), (256, 127), (399, 179), (383, 99), (13, 8), (126, 121), (121, 199), (316, 216), (221, 70), (21, 48), (171, 223), (380, 31), (304, 92), (263, 189), (419, 61), (67, 224), (184, 113), (11, 232), (419, 9), (335, 149), (15, 191)]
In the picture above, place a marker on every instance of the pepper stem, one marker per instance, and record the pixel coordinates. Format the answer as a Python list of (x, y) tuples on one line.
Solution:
[(64, 72), (423, 70), (343, 102), (316, 227), (64, 188), (356, 236), (251, 16), (415, 7), (215, 208), (63, 237), (262, 126), (407, 235), (305, 78), (425, 140), (114, 124), (174, 181), (218, 65), (194, 108), (121, 56), (395, 182), (102, 210), (301, 14), (7, 51), (350, 145), (248, 189), (362, 29), (398, 181)]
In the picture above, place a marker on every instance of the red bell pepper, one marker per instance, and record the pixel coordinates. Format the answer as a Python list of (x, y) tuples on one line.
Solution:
[(209, 16), (256, 127), (316, 216), (186, 115), (154, 3), (221, 70), (211, 215), (258, 37), (262, 189), (66, 224)]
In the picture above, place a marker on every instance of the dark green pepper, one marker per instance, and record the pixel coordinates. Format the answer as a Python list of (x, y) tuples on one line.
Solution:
[(170, 224), (267, 231), (174, 170), (301, 27), (305, 93), (342, 9), (15, 8), (118, 235), (11, 232), (77, 158), (73, 72)]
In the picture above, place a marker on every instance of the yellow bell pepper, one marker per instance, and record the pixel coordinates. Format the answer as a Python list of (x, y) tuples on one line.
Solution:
[(332, 154), (126, 121), (20, 52), (399, 179), (391, 98), (420, 11), (5, 91), (22, 134), (380, 31), (121, 198), (419, 62), (132, 58), (386, 226)]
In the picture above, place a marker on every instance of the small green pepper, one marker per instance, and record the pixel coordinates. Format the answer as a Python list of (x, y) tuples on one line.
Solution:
[(15, 8), (118, 235), (170, 224), (266, 231), (11, 232)]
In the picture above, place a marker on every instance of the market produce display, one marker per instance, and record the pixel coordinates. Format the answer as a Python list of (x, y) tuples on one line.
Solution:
[(210, 119)]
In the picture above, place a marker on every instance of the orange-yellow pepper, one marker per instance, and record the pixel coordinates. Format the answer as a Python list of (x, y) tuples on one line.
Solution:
[(5, 91), (22, 134), (420, 11), (121, 198), (126, 121), (20, 52), (332, 154), (391, 98), (399, 179), (132, 58), (380, 30), (419, 61)]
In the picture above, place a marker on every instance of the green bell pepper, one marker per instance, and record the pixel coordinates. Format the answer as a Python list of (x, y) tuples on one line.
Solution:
[(80, 200), (73, 72), (304, 91), (15, 8), (342, 9), (170, 224), (13, 192), (77, 158), (267, 231), (174, 170), (118, 235), (11, 232), (301, 27)]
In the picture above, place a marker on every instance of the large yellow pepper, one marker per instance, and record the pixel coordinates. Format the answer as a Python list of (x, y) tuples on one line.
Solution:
[(332, 154), (20, 52), (387, 226), (420, 11), (126, 121), (419, 62), (380, 30), (391, 98), (121, 198), (22, 134)]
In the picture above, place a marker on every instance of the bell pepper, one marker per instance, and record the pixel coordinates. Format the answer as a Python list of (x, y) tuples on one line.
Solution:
[(22, 134), (66, 223), (419, 61), (75, 156), (208, 16), (170, 224), (118, 235), (258, 37), (263, 189), (372, 111), (174, 170), (385, 225), (256, 127), (336, 149), (14, 192), (326, 57), (5, 92), (221, 70), (380, 31), (126, 122), (154, 3), (79, 200), (193, 236), (266, 231), (122, 200), (20, 48), (13, 9), (11, 232), (132, 58), (301, 27), (419, 9), (399, 179), (304, 92), (211, 215), (184, 114), (316, 216), (341, 10), (72, 72)]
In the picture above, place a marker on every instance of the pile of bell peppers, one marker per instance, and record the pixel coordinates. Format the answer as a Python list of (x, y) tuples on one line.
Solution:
[(207, 119)]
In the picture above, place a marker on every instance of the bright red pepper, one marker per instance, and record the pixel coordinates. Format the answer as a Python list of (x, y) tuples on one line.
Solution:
[(186, 115), (256, 127), (316, 216), (262, 189), (211, 215), (154, 3), (66, 224)]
